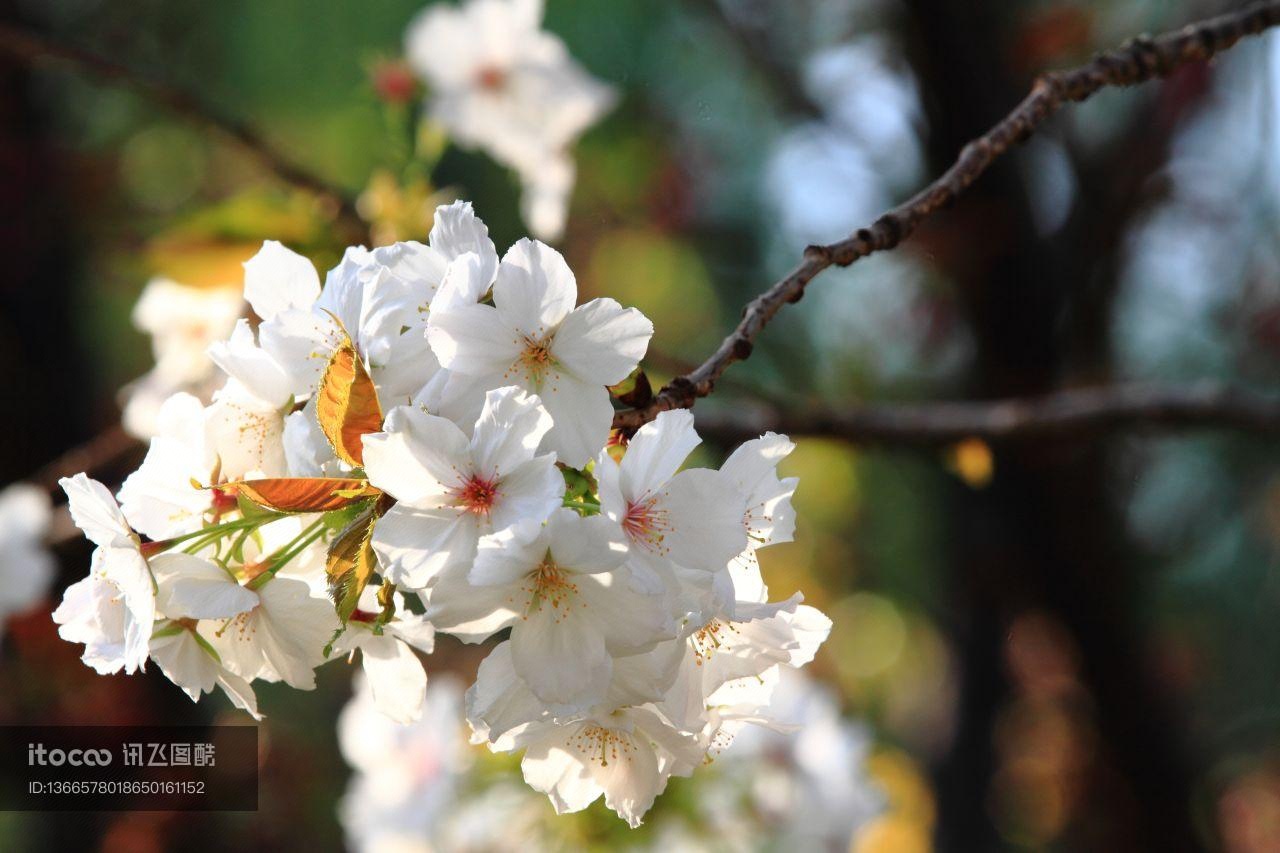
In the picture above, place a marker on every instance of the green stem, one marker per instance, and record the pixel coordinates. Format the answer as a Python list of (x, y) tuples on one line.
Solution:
[(213, 532), (299, 544), (585, 507)]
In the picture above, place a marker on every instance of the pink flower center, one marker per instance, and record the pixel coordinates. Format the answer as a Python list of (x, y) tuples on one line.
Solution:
[(645, 523), (491, 78), (477, 495)]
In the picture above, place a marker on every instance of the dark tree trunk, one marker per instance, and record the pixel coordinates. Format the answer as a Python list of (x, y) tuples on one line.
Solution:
[(1043, 534)]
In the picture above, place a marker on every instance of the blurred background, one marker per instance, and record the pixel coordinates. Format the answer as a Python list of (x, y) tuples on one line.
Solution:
[(1067, 644)]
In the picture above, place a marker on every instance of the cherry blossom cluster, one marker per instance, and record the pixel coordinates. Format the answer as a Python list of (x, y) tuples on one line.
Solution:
[(423, 443)]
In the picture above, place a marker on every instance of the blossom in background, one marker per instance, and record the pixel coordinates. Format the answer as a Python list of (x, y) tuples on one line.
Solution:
[(405, 779), (811, 783), (26, 566), (532, 336), (498, 82), (182, 322), (164, 497)]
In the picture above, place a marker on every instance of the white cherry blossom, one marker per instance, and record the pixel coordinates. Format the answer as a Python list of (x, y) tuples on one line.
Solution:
[(562, 590), (278, 636), (727, 649), (245, 432), (623, 748), (770, 519), (379, 298), (626, 755), (682, 527), (118, 561), (93, 612), (533, 336), (451, 489), (500, 83)]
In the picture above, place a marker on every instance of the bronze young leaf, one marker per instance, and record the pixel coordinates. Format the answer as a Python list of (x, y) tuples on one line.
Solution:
[(347, 403), (304, 494)]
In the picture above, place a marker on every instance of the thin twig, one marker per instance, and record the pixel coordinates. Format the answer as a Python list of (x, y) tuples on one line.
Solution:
[(31, 47), (1073, 413), (1141, 59), (784, 80)]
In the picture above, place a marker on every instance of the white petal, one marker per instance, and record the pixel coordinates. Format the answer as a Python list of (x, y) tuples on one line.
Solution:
[(707, 530), (415, 630), (396, 676), (535, 289), (560, 655), (95, 512), (473, 339), (511, 425), (416, 545), (505, 557), (242, 359), (276, 279), (583, 416), (418, 458), (630, 621), (499, 702), (456, 230), (306, 449), (811, 627), (465, 282), (601, 342), (470, 613), (656, 452), (184, 662), (585, 545), (550, 767), (631, 785), (246, 432), (196, 588), (240, 692), (528, 491)]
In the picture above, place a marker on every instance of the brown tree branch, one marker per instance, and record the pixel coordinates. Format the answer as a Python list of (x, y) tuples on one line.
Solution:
[(1139, 60), (1072, 413), (106, 448), (31, 47)]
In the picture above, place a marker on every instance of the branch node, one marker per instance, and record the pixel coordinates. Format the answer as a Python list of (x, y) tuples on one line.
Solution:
[(815, 253)]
